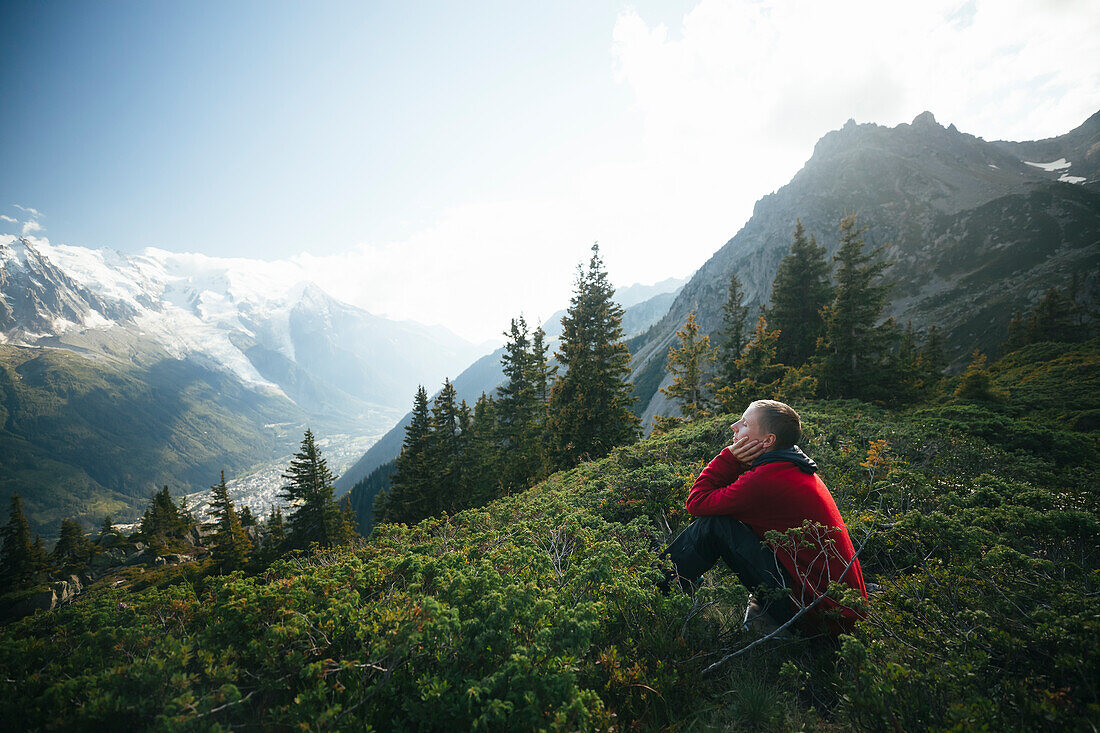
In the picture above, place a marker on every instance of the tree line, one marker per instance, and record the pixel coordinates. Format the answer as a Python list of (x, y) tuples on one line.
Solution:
[(314, 519), (544, 417)]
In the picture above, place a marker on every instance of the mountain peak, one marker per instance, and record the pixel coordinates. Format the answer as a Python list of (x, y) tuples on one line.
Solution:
[(925, 119)]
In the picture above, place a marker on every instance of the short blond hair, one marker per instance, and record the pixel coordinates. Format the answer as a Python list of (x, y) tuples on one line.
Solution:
[(779, 419)]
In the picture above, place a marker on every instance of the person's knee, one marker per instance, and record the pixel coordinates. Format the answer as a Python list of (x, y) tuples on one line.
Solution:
[(712, 525)]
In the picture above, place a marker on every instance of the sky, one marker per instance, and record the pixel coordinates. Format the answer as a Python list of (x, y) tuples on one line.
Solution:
[(452, 163)]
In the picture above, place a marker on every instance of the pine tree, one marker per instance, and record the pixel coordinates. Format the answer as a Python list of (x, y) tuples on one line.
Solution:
[(1017, 333), (248, 519), (406, 498), (276, 530), (18, 562), (688, 364), (444, 460), (481, 477), (800, 291), (589, 411), (187, 518), (542, 374), (521, 406), (309, 492), (349, 522), (854, 346), (72, 550), (1054, 318), (107, 529), (161, 521), (734, 320), (232, 546), (976, 384), (760, 375)]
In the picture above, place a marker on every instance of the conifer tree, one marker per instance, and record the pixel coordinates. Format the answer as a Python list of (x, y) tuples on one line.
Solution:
[(932, 354), (187, 518), (854, 346), (590, 404), (72, 550), (276, 531), (481, 477), (38, 554), (734, 319), (107, 529), (349, 522), (542, 374), (1056, 317), (18, 561), (309, 491), (161, 520), (405, 499), (760, 375), (444, 465), (521, 406), (248, 519), (688, 364), (232, 546), (800, 291), (976, 383)]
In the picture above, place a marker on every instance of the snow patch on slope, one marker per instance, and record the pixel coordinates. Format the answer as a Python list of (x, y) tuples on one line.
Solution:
[(1057, 165)]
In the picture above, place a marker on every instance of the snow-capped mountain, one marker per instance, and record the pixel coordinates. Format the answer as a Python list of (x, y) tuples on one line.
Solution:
[(122, 373), (254, 319), (37, 299)]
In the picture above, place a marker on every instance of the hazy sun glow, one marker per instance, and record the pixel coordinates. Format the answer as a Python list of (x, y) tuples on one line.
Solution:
[(452, 165)]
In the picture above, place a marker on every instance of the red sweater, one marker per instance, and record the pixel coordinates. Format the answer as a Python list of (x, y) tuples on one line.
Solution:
[(779, 496)]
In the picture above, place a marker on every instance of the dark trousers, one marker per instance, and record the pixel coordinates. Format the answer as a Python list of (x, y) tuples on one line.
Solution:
[(706, 539)]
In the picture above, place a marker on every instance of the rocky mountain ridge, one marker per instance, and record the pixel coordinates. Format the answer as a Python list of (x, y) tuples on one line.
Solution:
[(972, 231)]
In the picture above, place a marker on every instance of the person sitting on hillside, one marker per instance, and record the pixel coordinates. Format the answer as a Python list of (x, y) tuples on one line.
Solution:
[(763, 482)]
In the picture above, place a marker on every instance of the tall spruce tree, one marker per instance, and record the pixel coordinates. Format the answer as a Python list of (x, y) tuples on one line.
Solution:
[(162, 520), (542, 374), (481, 475), (855, 345), (107, 530), (405, 499), (276, 533), (800, 291), (590, 404), (689, 364), (232, 546), (309, 491), (521, 406), (735, 315), (443, 478), (517, 410), (18, 561), (72, 550)]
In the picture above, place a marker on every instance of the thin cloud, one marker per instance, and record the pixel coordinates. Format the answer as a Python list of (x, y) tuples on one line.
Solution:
[(31, 226), (33, 212), (4, 217)]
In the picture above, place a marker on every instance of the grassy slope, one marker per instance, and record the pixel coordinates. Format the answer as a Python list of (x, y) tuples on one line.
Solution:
[(538, 611), (81, 438)]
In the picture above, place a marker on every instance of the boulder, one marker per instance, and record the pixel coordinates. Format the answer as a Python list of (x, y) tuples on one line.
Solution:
[(138, 558), (109, 559), (63, 592), (108, 540)]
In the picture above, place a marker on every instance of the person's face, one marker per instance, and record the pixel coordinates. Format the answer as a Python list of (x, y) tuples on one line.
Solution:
[(749, 426)]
